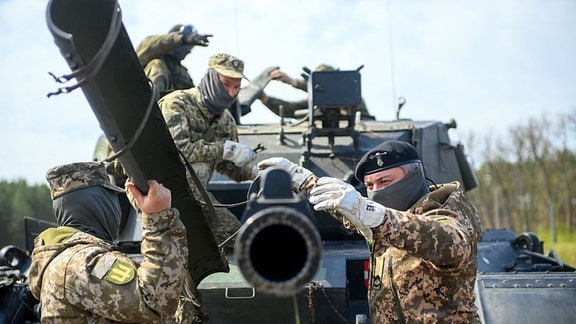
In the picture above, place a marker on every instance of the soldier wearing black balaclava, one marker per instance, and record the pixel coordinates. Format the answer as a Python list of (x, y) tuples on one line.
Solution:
[(422, 239), (78, 273)]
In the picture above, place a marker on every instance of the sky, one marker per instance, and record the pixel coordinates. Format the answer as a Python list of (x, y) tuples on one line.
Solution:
[(489, 64)]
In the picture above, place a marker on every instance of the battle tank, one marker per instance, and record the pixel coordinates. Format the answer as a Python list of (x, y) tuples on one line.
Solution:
[(294, 265), (514, 276)]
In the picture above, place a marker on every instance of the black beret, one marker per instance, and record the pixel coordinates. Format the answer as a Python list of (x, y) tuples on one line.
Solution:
[(387, 155)]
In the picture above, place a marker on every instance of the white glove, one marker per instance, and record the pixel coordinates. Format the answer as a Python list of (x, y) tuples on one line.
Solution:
[(332, 194), (238, 153), (298, 174)]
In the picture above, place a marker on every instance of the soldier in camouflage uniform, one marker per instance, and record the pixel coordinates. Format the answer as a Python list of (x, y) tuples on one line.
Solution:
[(161, 57), (80, 276), (422, 239), (290, 107), (205, 132)]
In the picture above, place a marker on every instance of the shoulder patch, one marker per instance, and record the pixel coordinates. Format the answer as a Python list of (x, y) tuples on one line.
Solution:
[(114, 270), (102, 268), (121, 273)]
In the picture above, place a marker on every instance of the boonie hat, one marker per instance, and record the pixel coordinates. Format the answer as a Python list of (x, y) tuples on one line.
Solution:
[(387, 155), (227, 65), (66, 178)]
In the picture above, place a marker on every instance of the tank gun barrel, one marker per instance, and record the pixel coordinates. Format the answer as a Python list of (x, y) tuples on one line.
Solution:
[(93, 41), (278, 248)]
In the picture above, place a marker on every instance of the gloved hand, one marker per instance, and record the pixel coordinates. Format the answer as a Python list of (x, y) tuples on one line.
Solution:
[(337, 195), (298, 174), (196, 39), (238, 153)]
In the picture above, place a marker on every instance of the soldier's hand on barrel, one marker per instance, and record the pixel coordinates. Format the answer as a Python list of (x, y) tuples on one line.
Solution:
[(157, 200), (298, 174)]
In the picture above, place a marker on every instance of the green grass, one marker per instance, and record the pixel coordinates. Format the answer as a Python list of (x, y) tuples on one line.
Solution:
[(565, 244)]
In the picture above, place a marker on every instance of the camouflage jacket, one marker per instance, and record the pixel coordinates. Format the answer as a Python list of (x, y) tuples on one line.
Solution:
[(200, 136), (79, 278), (166, 72), (424, 261)]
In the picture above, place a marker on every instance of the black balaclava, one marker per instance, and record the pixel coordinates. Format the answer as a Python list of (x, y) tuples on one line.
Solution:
[(94, 210), (215, 96), (404, 193)]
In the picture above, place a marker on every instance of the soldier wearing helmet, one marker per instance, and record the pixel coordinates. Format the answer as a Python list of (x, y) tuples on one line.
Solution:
[(162, 55)]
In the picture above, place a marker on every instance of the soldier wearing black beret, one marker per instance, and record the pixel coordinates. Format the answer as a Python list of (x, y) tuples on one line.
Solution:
[(422, 239)]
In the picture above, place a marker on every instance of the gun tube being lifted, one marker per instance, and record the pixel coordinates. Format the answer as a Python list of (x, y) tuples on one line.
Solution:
[(96, 46), (278, 248)]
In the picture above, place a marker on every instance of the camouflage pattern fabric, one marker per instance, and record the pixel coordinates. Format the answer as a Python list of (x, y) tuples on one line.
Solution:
[(423, 261), (301, 84), (289, 107), (74, 176), (427, 257), (79, 278), (200, 136), (166, 73), (227, 65)]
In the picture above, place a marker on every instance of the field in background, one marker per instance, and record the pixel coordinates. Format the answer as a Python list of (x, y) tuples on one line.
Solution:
[(565, 244)]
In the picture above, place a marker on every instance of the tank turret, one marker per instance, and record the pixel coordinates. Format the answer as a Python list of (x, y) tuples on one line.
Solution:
[(329, 139)]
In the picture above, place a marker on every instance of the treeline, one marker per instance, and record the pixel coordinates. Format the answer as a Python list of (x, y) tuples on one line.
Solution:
[(527, 181), (18, 200), (528, 177)]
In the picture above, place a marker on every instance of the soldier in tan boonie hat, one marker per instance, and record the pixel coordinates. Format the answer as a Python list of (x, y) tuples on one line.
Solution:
[(227, 65), (74, 176)]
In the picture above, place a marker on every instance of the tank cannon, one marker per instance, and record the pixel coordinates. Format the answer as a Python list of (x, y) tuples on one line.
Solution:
[(278, 248), (510, 266)]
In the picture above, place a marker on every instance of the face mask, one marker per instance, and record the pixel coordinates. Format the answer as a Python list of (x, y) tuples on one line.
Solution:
[(404, 193), (94, 210), (215, 96)]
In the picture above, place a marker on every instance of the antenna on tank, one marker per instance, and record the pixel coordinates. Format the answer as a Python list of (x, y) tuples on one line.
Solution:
[(391, 49)]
